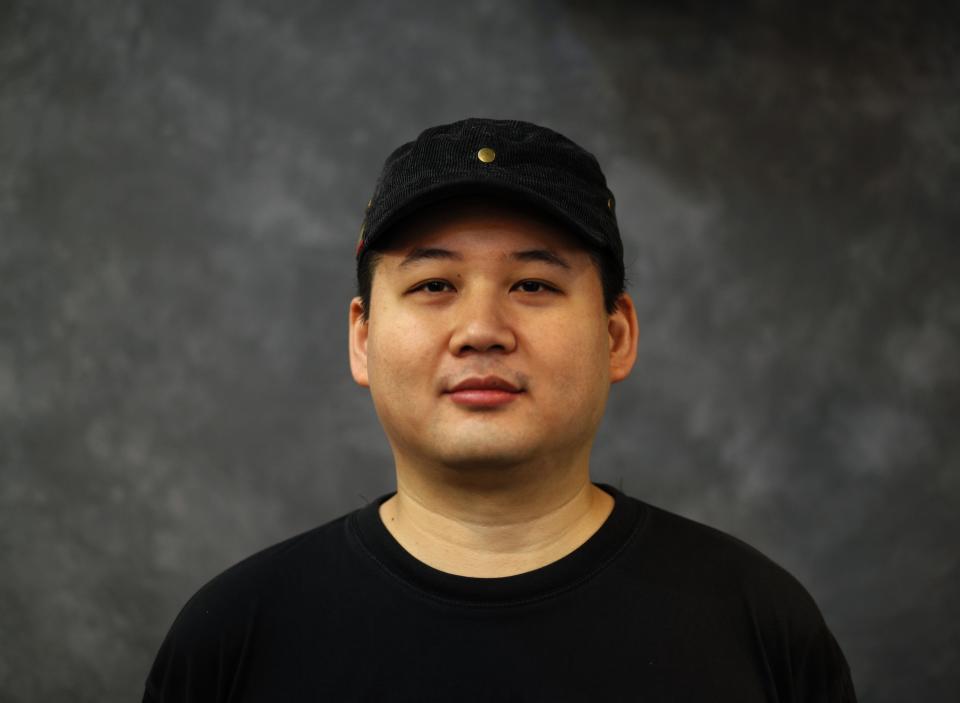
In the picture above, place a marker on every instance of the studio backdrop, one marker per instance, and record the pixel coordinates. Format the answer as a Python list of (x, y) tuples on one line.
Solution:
[(181, 188)]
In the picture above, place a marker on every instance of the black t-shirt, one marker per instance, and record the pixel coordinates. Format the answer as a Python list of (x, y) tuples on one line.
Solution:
[(653, 607)]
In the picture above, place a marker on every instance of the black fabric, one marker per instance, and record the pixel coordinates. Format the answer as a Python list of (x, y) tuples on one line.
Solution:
[(653, 607), (541, 167)]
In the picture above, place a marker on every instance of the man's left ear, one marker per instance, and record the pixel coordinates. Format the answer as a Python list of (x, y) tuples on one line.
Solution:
[(623, 329)]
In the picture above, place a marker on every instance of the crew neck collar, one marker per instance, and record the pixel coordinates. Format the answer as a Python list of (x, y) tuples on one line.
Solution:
[(566, 573)]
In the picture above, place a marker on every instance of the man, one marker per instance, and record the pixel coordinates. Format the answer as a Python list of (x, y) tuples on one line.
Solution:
[(490, 323)]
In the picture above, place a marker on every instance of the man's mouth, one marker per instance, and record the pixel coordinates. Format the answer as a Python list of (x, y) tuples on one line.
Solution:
[(484, 383), (486, 391)]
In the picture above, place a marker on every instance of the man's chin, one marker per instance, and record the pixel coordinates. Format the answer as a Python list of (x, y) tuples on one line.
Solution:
[(483, 456), (475, 445)]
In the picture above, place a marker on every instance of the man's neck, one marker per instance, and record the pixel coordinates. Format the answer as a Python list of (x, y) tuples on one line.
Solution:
[(493, 533)]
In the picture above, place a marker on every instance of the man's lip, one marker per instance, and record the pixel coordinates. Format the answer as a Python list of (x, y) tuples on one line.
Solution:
[(485, 383), (483, 398)]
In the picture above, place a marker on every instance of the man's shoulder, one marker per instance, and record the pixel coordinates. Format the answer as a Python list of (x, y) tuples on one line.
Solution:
[(715, 561), (266, 576), (721, 579)]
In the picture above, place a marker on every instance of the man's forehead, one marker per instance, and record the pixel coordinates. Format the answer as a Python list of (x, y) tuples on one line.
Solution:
[(450, 229), (420, 254)]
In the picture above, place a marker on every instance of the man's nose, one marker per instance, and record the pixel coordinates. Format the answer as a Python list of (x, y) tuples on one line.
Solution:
[(482, 325)]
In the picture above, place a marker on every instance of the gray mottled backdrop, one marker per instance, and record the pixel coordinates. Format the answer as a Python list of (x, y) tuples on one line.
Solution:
[(181, 185)]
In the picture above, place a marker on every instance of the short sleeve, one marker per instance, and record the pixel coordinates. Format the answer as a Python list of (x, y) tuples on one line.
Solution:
[(824, 676), (201, 658)]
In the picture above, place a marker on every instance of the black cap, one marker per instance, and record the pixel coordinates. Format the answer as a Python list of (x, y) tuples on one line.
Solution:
[(501, 157)]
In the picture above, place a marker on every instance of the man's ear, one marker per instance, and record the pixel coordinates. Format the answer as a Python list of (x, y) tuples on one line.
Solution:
[(624, 335), (359, 329)]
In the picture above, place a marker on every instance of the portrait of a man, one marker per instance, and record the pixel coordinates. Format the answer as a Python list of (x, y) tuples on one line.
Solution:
[(535, 352), (490, 324)]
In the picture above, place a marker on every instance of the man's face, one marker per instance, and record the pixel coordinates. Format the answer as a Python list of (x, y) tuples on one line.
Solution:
[(516, 298)]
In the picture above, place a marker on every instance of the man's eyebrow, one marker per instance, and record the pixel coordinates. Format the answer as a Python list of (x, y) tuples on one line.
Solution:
[(544, 255), (425, 253)]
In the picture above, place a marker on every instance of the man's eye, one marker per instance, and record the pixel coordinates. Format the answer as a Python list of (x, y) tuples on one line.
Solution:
[(431, 286), (525, 286), (534, 286)]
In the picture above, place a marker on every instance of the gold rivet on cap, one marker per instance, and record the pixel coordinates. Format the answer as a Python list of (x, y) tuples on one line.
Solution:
[(486, 154), (610, 203), (369, 203)]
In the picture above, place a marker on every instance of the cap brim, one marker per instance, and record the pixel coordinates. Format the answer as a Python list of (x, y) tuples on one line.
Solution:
[(448, 190)]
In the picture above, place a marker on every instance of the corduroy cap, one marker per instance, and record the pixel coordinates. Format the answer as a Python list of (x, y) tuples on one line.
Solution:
[(509, 158)]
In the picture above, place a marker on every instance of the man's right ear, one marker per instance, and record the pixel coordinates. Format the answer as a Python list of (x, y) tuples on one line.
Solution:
[(359, 329)]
